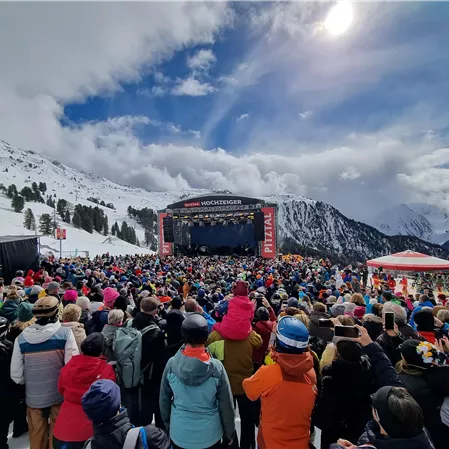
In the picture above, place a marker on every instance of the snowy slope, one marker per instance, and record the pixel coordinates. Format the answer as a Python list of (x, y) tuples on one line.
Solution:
[(425, 221), (304, 225)]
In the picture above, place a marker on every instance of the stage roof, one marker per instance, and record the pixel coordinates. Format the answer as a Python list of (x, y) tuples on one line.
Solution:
[(410, 261), (14, 238)]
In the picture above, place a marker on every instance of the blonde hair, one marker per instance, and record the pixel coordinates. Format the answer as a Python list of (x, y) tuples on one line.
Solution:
[(346, 320), (303, 318), (329, 355), (443, 315), (437, 309), (12, 293), (21, 325), (71, 312), (403, 368), (357, 298)]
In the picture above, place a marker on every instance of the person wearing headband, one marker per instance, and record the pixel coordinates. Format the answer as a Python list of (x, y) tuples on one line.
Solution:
[(398, 423)]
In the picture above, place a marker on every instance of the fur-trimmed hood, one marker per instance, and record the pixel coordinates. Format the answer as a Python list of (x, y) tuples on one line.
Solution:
[(371, 318)]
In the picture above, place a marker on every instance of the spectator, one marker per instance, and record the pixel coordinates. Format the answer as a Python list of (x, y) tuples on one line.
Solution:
[(111, 424), (73, 428), (39, 370), (84, 303), (319, 313), (70, 318), (10, 308), (199, 413), (115, 321)]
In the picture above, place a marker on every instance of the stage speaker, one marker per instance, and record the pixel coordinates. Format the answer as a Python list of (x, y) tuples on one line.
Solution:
[(259, 228), (167, 223)]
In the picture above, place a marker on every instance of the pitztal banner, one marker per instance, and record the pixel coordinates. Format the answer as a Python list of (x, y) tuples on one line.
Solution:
[(269, 244), (165, 248)]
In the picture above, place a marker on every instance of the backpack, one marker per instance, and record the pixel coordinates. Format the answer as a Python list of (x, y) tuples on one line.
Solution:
[(132, 438), (127, 348)]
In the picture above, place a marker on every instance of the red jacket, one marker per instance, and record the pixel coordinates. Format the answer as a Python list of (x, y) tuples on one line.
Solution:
[(72, 425), (264, 329), (28, 282)]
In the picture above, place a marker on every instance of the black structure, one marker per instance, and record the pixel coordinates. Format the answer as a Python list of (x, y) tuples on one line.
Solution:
[(18, 252), (218, 224)]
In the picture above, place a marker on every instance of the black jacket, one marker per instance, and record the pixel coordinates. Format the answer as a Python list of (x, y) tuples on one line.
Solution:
[(373, 324), (325, 333), (391, 344), (10, 392), (372, 437), (112, 434), (344, 405), (429, 390), (154, 354), (173, 331)]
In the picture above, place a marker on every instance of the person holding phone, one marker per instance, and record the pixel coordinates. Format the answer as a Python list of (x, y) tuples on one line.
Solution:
[(343, 408)]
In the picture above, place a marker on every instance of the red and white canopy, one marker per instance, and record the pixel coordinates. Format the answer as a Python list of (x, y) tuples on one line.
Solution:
[(410, 261)]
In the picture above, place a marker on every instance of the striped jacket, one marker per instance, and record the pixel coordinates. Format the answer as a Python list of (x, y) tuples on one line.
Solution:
[(40, 352)]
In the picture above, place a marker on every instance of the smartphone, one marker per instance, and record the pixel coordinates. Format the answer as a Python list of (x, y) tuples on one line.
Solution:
[(346, 331), (389, 321), (323, 322)]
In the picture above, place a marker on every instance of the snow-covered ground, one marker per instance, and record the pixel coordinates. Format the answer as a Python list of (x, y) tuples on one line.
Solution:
[(22, 168)]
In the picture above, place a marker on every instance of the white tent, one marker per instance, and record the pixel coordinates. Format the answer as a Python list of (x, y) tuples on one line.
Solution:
[(410, 261)]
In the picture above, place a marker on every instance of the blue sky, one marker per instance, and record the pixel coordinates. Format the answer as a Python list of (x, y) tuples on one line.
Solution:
[(258, 98)]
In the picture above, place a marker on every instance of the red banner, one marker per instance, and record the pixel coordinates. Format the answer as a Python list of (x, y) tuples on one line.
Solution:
[(165, 249), (60, 234), (269, 244)]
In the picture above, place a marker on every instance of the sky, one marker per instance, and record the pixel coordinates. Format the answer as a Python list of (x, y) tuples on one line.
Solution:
[(255, 98)]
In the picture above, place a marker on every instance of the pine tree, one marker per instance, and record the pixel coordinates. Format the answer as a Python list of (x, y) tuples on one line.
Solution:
[(105, 225), (42, 187), (29, 221), (50, 202), (124, 232), (61, 207), (18, 203), (66, 218), (12, 191), (45, 224), (27, 193), (34, 187), (77, 219), (88, 224)]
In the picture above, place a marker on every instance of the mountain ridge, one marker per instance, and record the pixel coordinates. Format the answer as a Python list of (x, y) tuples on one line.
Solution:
[(305, 225)]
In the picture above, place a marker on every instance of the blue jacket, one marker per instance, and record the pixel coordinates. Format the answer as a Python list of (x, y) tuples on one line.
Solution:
[(196, 402), (417, 309)]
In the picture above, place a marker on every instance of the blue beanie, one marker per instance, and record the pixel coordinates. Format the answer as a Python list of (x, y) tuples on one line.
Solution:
[(101, 401), (201, 293)]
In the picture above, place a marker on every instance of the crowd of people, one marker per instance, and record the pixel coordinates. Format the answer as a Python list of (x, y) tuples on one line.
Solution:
[(143, 352)]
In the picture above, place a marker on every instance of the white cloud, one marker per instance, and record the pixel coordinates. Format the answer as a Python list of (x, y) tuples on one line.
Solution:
[(305, 115), (242, 117), (160, 78), (202, 60), (193, 88), (350, 174)]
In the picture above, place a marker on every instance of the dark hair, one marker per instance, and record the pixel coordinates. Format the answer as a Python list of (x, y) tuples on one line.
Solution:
[(406, 410), (377, 309), (387, 295), (319, 307)]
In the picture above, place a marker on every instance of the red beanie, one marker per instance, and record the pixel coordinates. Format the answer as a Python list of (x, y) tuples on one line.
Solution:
[(240, 289)]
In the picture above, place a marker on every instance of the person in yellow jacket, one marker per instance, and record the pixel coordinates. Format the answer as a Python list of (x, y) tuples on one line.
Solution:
[(287, 389)]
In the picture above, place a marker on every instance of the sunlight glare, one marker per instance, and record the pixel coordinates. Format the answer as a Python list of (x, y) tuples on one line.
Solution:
[(339, 18)]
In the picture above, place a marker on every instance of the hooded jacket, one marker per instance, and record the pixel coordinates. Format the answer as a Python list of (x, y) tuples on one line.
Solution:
[(196, 402), (40, 352), (236, 324), (75, 379), (287, 390), (78, 332), (10, 309), (109, 331), (418, 309), (371, 438), (112, 434)]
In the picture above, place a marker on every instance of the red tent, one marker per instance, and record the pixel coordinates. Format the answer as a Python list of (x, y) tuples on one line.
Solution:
[(410, 261)]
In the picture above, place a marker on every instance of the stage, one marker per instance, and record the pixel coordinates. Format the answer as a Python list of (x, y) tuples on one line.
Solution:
[(219, 225)]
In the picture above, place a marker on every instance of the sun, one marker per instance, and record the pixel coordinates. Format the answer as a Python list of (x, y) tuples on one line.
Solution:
[(339, 18)]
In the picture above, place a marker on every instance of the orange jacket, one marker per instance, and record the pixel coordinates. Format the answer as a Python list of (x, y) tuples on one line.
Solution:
[(287, 390)]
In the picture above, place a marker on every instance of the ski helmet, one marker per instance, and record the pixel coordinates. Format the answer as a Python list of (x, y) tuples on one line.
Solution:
[(194, 329), (292, 335)]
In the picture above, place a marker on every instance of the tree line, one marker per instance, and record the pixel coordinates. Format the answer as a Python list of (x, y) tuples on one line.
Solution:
[(147, 218), (125, 232)]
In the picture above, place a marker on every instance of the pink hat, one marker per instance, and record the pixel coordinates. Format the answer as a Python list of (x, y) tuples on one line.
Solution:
[(359, 312), (48, 279), (71, 295), (109, 297), (240, 289)]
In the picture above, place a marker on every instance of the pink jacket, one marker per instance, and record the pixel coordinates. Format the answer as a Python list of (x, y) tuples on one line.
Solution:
[(237, 322)]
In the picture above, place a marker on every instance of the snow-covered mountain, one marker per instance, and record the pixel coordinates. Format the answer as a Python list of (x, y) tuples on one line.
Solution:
[(304, 225), (425, 221)]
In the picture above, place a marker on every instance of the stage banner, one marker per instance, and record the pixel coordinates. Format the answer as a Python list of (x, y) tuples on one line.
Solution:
[(269, 244), (165, 248)]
